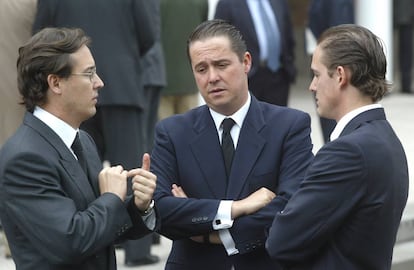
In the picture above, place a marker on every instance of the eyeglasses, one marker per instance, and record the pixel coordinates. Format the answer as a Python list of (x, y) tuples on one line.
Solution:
[(91, 74)]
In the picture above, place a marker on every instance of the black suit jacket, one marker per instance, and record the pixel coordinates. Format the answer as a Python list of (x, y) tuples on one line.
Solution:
[(48, 209), (237, 13), (346, 214), (121, 34)]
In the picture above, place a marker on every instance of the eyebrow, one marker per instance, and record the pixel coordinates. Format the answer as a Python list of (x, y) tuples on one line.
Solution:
[(91, 68), (214, 62)]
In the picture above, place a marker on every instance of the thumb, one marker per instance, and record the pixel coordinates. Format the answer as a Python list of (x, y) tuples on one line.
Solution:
[(146, 162)]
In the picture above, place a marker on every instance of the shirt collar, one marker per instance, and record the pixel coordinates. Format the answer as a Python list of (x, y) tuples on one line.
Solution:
[(348, 117), (238, 116), (60, 127)]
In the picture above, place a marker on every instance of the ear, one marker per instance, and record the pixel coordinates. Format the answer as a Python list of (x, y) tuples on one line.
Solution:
[(247, 61), (343, 76), (54, 82)]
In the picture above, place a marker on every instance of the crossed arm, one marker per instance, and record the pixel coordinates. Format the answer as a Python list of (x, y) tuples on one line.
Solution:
[(249, 205)]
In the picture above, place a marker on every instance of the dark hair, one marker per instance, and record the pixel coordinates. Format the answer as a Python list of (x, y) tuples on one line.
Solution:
[(215, 28), (358, 49), (47, 52)]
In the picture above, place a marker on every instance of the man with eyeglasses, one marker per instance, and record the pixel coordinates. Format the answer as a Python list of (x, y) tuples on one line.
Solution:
[(60, 209), (122, 34)]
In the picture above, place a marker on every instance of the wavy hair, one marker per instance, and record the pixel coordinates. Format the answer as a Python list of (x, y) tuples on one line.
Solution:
[(47, 52)]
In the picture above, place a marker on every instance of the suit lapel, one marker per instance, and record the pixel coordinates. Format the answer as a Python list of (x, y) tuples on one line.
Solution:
[(79, 178), (68, 161), (249, 147), (94, 163), (207, 152)]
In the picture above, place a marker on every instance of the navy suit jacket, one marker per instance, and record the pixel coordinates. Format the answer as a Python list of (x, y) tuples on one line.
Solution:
[(238, 14), (49, 211), (348, 209), (323, 14), (273, 151), (121, 34)]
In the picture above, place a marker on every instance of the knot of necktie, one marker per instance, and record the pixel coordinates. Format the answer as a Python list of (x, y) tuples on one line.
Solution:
[(228, 123)]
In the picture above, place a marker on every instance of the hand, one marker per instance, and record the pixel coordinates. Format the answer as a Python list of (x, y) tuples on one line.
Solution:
[(113, 180), (254, 202), (178, 191), (213, 238), (143, 184)]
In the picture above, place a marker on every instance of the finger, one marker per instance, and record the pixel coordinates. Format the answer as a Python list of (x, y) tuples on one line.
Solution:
[(146, 162), (106, 164), (117, 169), (177, 191), (174, 193)]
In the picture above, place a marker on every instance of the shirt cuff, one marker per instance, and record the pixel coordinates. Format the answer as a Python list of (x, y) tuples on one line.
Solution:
[(228, 242), (150, 219), (223, 219)]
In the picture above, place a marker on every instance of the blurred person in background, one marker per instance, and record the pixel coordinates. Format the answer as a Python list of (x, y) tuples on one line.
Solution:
[(16, 19), (267, 28), (403, 22), (138, 252), (178, 19)]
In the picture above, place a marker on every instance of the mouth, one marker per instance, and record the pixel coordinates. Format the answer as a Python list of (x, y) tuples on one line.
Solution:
[(216, 90)]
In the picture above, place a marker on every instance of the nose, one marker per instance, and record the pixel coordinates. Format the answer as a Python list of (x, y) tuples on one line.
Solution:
[(213, 75), (312, 86), (98, 83)]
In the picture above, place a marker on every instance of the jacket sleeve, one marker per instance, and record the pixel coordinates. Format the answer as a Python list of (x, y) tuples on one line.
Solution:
[(250, 232), (318, 209), (180, 217)]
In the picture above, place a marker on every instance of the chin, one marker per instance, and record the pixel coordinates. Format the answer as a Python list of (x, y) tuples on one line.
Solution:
[(90, 113)]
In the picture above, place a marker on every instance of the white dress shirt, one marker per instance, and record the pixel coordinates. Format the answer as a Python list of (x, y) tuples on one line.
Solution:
[(222, 222)]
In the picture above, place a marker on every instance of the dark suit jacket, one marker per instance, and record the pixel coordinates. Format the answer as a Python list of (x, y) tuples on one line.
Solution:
[(273, 151), (153, 62), (323, 14), (51, 216), (347, 212), (121, 34), (237, 13)]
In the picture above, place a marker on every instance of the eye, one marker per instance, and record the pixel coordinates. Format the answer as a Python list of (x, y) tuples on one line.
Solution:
[(222, 65), (92, 74), (200, 69)]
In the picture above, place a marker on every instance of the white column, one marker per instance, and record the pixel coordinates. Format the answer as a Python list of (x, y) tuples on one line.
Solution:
[(376, 15)]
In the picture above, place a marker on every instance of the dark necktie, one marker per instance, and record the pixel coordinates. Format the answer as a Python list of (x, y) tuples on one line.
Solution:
[(227, 145), (273, 38), (78, 150)]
